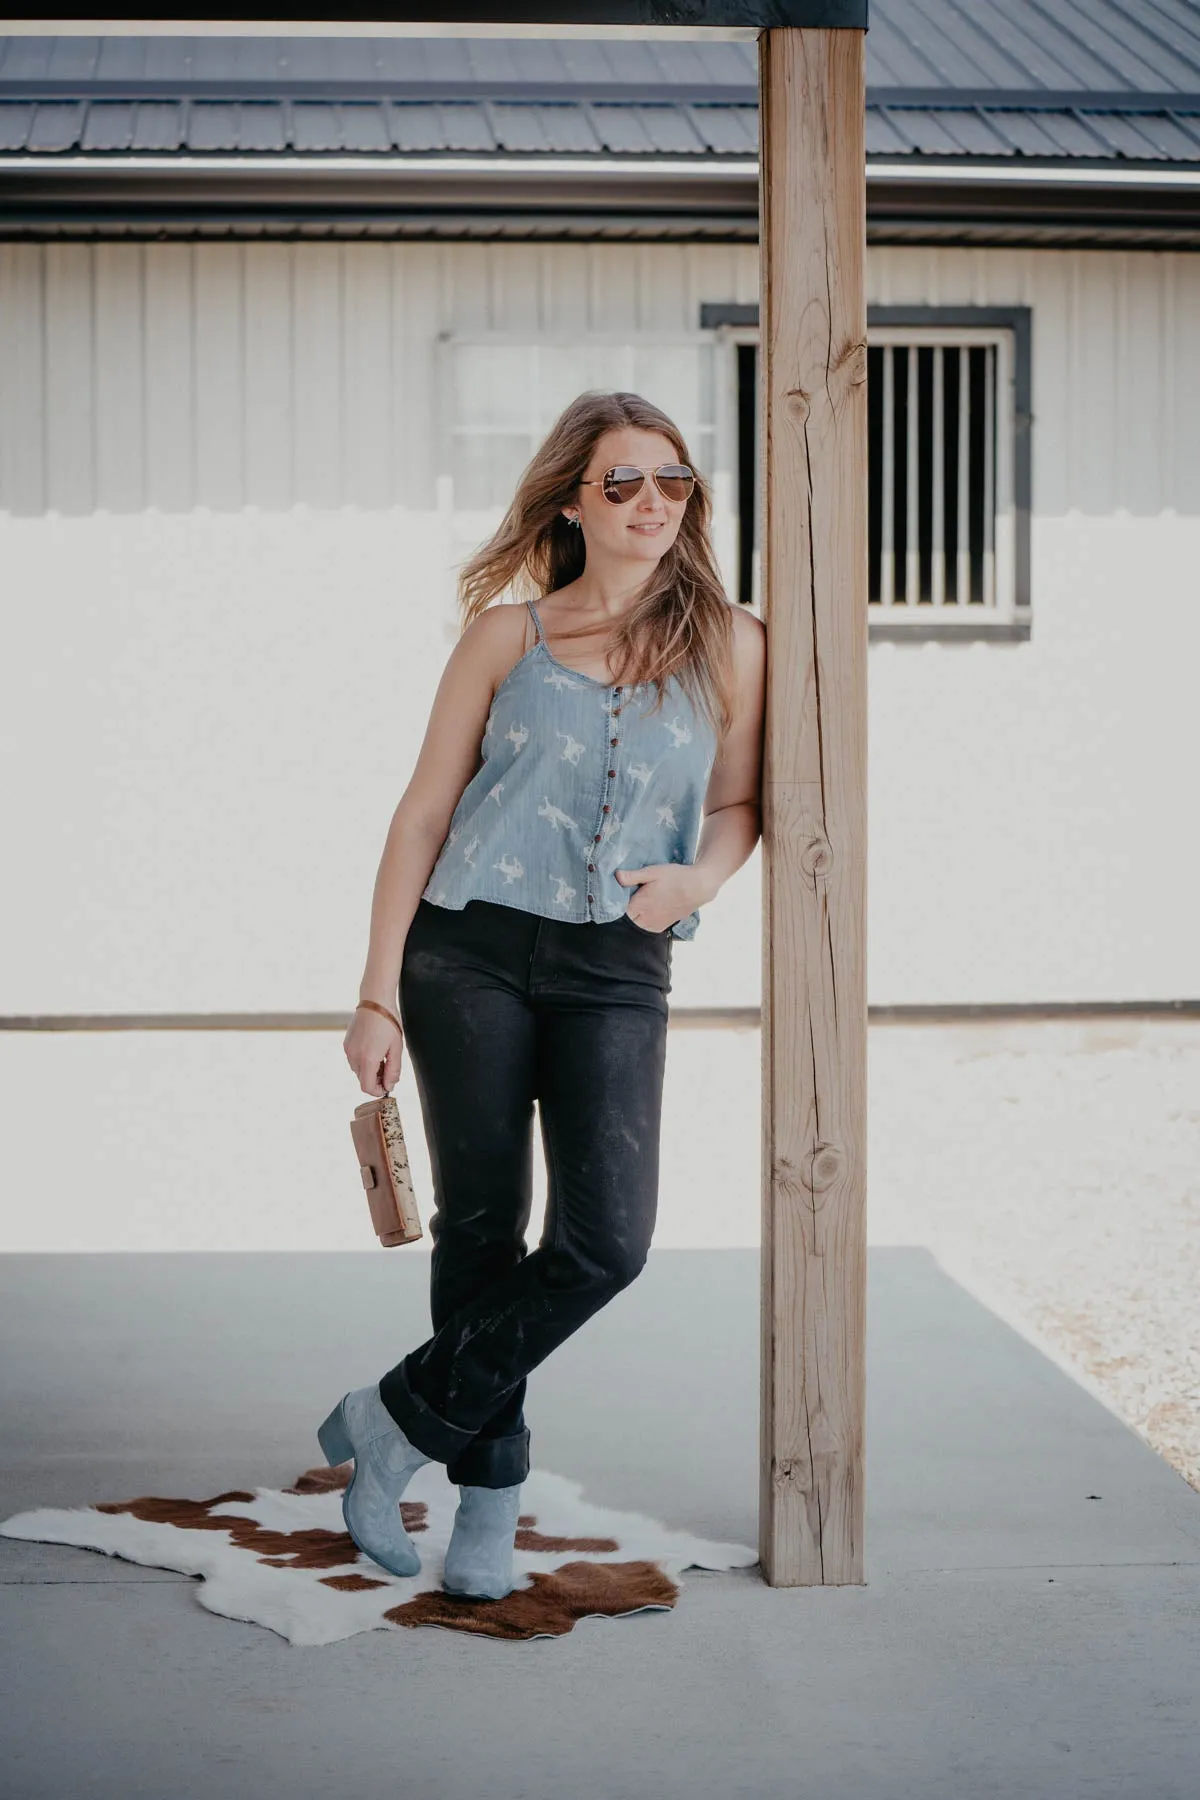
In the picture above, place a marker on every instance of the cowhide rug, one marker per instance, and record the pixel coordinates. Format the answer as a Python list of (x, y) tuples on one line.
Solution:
[(283, 1558)]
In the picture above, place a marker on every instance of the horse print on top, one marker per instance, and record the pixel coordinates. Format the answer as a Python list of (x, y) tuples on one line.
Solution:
[(578, 779)]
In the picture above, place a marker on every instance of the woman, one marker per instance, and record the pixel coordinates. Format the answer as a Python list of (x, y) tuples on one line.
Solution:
[(536, 874)]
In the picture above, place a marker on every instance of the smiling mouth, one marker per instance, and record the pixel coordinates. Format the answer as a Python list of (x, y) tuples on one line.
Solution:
[(656, 526)]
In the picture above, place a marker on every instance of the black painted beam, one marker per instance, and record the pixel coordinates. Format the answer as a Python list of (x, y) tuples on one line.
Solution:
[(755, 13)]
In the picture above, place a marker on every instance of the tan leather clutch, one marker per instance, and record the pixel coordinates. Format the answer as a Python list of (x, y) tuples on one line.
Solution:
[(383, 1165)]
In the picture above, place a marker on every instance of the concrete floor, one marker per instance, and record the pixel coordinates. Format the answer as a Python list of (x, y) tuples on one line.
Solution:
[(1030, 1626)]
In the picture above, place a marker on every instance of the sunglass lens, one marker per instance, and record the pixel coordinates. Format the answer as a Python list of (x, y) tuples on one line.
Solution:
[(622, 484), (675, 481)]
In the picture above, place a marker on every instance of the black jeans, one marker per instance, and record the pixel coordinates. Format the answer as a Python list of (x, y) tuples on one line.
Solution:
[(501, 1007)]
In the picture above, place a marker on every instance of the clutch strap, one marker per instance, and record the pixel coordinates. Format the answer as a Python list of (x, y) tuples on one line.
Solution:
[(383, 1011)]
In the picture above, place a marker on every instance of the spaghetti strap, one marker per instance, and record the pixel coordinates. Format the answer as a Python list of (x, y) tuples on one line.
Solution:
[(537, 623)]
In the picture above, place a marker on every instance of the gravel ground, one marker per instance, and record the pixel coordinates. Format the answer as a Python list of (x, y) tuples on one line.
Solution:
[(1054, 1169)]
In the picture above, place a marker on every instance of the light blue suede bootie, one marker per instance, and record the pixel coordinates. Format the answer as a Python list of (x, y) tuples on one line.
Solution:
[(361, 1427), (479, 1556)]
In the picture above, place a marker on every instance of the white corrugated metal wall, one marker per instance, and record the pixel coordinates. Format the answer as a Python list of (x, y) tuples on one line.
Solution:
[(226, 545)]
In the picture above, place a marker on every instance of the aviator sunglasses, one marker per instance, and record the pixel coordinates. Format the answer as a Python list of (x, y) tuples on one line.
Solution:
[(674, 481)]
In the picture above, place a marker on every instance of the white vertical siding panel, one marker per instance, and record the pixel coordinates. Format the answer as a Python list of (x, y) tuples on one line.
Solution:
[(317, 373), (1050, 296), (567, 288), (268, 409), (169, 377), (1140, 478), (1118, 373), (470, 293), (997, 277), (369, 377), (620, 291), (1097, 389), (748, 281), (219, 326), (1167, 328), (545, 281), (120, 393), (1185, 441), (515, 287), (690, 289), (1074, 423), (714, 275), (417, 317), (908, 278), (22, 375), (664, 300), (69, 392)]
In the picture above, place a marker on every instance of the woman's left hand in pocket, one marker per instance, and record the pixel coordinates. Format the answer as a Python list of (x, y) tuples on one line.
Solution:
[(664, 893)]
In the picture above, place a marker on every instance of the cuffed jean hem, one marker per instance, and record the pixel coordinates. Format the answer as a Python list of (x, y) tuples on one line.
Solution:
[(418, 1421), (470, 1458), (473, 1460), (492, 1462)]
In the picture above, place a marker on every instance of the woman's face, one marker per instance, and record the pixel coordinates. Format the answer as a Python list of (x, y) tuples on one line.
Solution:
[(642, 530)]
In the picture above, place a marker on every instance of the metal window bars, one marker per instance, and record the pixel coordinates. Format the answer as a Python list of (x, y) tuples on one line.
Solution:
[(941, 470)]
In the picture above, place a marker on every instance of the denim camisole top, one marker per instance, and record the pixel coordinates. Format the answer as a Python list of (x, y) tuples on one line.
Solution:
[(578, 779)]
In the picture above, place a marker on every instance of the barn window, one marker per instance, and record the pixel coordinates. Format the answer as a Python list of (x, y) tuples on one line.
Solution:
[(940, 456), (948, 465), (500, 395)]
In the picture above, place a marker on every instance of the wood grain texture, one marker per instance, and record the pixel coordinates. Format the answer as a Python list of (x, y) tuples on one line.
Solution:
[(813, 203)]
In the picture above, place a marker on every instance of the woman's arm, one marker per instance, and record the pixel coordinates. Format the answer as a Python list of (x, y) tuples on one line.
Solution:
[(733, 802), (448, 758), (732, 810)]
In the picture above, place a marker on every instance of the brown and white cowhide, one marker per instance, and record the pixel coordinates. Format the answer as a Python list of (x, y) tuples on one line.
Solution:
[(282, 1557)]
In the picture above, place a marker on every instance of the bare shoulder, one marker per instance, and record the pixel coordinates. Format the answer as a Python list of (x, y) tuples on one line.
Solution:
[(495, 640), (749, 632), (749, 643)]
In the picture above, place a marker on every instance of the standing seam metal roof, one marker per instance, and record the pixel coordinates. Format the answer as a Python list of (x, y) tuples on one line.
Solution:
[(1097, 80)]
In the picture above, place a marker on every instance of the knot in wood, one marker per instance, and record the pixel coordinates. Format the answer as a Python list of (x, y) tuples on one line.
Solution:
[(851, 364), (824, 1167), (798, 404), (816, 858)]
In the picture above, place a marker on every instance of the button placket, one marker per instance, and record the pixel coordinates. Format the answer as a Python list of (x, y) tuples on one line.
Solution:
[(605, 803)]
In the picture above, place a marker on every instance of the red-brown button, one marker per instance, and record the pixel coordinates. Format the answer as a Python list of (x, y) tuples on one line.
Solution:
[(612, 740), (606, 809), (596, 839), (612, 771), (591, 871)]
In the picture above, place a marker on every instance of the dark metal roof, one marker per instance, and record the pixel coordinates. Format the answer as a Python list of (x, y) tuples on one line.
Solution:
[(557, 128), (604, 137), (1093, 79)]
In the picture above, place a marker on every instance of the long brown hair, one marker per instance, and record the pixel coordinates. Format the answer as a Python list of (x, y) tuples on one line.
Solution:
[(681, 623)]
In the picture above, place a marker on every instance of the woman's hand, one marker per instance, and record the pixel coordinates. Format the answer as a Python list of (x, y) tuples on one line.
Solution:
[(665, 892), (373, 1049)]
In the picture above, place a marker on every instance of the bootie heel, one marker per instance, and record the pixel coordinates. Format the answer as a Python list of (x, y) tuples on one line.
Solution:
[(334, 1439), (479, 1556), (360, 1428)]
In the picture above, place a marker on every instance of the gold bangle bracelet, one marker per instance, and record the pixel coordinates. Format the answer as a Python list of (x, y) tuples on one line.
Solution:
[(375, 1007)]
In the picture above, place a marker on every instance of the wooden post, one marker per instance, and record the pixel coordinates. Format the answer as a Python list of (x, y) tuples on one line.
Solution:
[(814, 1040)]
